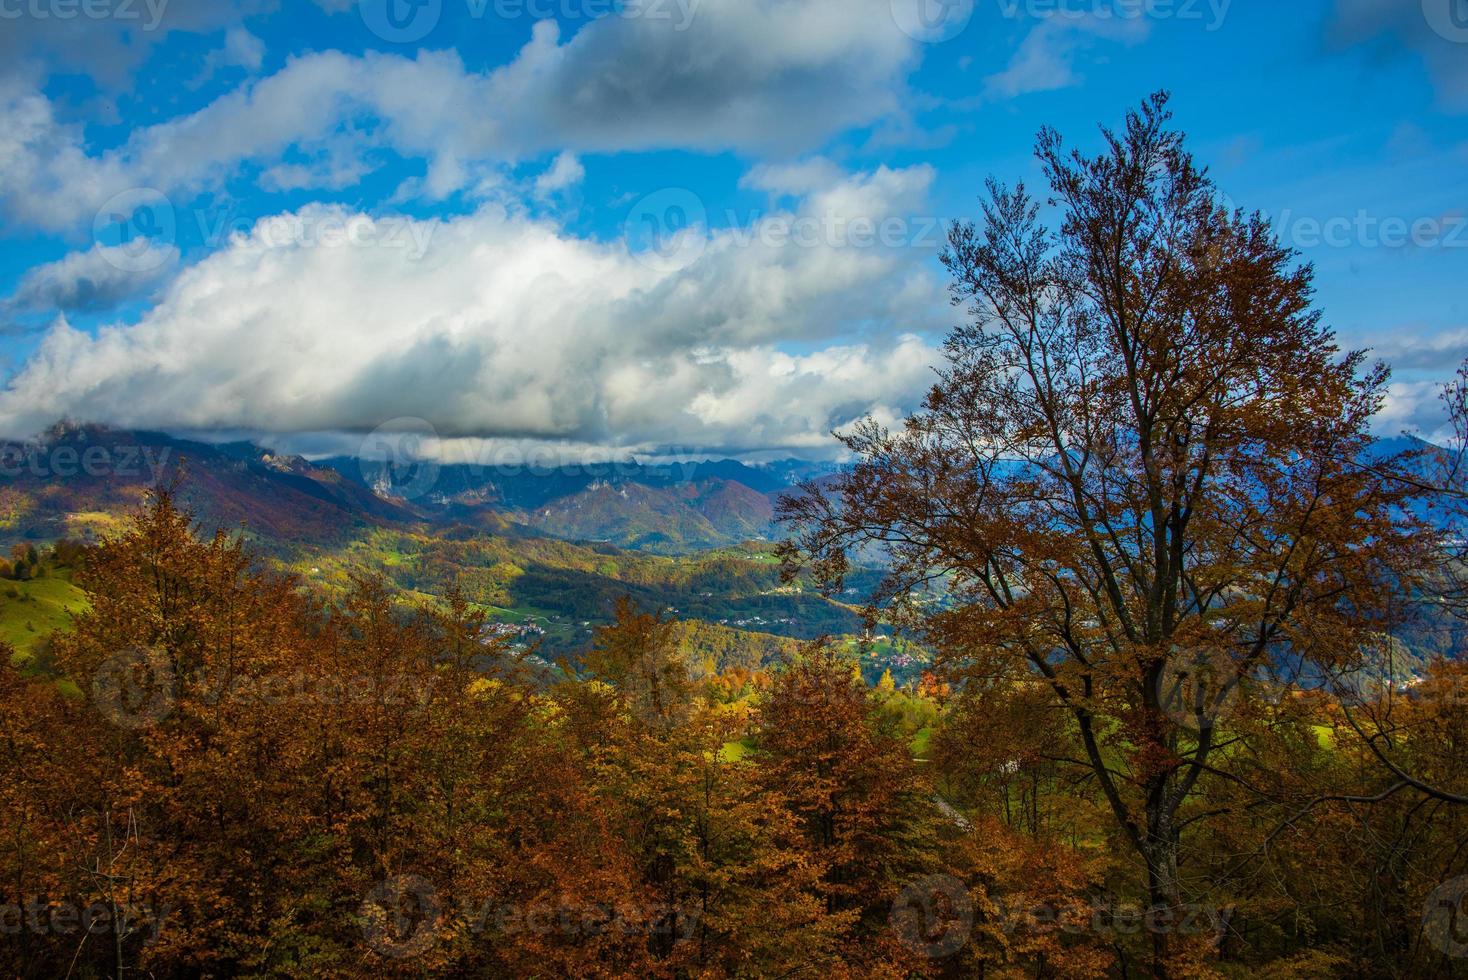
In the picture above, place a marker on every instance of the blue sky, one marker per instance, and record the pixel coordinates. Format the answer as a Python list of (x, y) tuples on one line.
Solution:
[(648, 225)]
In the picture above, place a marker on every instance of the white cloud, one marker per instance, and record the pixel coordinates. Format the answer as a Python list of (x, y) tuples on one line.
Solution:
[(504, 326), (91, 281), (1045, 59), (1415, 407), (241, 50), (1417, 348), (108, 48), (751, 75), (565, 172), (49, 179), (793, 178)]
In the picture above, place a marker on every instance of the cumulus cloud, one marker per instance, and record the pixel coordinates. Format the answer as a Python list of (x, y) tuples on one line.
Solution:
[(1416, 349), (92, 281), (1423, 363), (240, 49), (107, 39), (1415, 407), (752, 75), (499, 325), (565, 172), (800, 177)]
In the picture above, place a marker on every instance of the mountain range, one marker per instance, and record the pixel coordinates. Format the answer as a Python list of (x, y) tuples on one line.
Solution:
[(552, 548), (76, 479)]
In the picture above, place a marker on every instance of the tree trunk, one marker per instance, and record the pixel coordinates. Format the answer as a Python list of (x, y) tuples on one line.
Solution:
[(1163, 889)]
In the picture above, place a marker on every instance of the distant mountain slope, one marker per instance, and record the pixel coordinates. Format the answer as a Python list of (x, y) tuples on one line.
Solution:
[(76, 480), (516, 487), (662, 520), (736, 509), (669, 508), (629, 515)]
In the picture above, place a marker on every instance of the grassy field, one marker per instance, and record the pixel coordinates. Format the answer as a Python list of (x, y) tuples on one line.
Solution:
[(36, 609)]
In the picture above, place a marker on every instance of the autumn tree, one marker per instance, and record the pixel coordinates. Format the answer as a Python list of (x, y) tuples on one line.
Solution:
[(727, 885), (639, 655), (259, 769), (867, 814), (1133, 477), (54, 852)]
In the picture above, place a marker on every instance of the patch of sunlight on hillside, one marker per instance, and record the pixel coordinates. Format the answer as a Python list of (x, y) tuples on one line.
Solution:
[(31, 611)]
